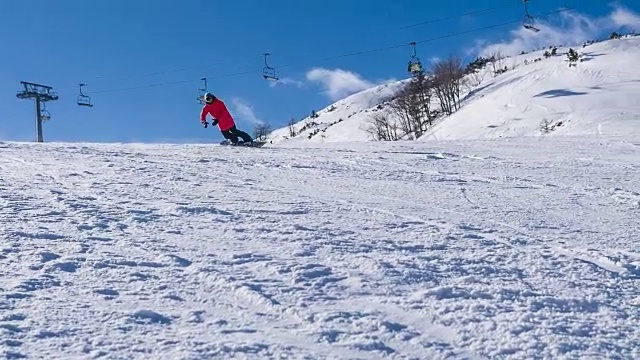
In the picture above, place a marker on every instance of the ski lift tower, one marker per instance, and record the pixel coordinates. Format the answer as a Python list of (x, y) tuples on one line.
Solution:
[(41, 94)]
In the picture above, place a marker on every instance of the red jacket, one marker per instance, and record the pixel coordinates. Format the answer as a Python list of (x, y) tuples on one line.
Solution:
[(219, 111)]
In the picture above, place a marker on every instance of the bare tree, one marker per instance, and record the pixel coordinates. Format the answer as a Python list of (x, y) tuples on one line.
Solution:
[(410, 112), (292, 129), (383, 127), (474, 79), (447, 82), (422, 88), (514, 64), (405, 110), (412, 106), (497, 61), (261, 131)]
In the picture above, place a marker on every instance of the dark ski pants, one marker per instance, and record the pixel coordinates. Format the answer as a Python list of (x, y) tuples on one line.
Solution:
[(233, 133)]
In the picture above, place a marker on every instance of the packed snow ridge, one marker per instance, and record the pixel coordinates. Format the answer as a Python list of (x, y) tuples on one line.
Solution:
[(478, 249), (600, 95)]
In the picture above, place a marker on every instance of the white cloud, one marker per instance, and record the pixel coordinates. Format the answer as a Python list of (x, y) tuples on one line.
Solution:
[(338, 83), (576, 29), (624, 17), (245, 111)]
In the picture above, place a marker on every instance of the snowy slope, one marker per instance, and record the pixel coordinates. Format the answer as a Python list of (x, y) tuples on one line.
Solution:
[(344, 120), (447, 250), (599, 96)]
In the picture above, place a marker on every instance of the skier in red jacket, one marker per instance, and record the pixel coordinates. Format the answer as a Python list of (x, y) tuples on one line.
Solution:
[(221, 117)]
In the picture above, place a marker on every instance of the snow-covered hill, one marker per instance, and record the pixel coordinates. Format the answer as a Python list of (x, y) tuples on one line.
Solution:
[(345, 120), (445, 250), (601, 95)]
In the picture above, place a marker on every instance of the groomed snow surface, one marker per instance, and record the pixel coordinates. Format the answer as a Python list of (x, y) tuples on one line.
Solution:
[(509, 249)]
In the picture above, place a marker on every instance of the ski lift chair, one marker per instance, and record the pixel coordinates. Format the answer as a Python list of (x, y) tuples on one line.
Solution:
[(268, 72), (45, 115), (202, 91), (529, 23), (415, 67), (84, 100)]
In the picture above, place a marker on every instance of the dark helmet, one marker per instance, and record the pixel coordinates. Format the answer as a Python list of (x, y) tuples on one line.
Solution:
[(208, 98)]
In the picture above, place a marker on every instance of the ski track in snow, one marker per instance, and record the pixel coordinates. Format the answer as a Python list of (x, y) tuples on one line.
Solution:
[(446, 250)]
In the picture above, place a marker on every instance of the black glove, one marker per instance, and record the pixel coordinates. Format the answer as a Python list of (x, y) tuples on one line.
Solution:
[(205, 124), (214, 122)]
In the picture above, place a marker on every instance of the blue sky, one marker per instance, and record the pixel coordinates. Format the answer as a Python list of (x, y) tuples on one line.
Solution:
[(142, 60)]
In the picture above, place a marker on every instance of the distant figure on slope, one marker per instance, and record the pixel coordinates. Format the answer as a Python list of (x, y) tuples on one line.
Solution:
[(221, 117)]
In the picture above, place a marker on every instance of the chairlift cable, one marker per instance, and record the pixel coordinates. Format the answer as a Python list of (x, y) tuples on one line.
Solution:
[(172, 82), (433, 21), (156, 73), (427, 40), (332, 57)]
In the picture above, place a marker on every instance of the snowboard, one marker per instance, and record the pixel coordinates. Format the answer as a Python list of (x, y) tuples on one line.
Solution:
[(241, 144)]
